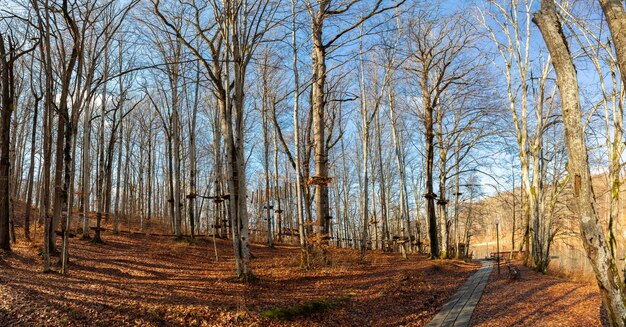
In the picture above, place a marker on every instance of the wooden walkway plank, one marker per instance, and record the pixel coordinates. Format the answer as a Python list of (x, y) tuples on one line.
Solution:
[(458, 310)]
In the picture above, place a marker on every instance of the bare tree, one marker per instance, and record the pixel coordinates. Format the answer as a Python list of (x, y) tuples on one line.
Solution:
[(296, 136), (510, 33), (592, 234), (10, 51), (44, 29), (37, 95), (239, 28), (370, 108), (436, 61), (320, 11)]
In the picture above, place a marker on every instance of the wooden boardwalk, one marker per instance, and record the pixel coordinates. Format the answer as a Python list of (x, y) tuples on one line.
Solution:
[(458, 310)]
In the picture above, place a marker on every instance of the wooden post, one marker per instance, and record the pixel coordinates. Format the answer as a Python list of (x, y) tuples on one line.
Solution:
[(498, 243)]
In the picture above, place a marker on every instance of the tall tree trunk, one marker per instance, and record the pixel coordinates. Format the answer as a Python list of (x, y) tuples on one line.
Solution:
[(86, 172), (514, 215), (304, 253), (58, 183), (67, 133), (65, 196), (318, 108), (616, 18), (192, 156), (615, 15), (430, 194), (266, 150), (383, 193), (100, 188), (239, 164), (278, 210), (598, 251), (7, 97), (31, 169), (373, 221), (126, 196), (175, 153), (220, 220), (47, 142), (404, 214), (13, 169), (116, 217), (457, 179), (365, 190), (524, 245), (365, 139), (151, 166)]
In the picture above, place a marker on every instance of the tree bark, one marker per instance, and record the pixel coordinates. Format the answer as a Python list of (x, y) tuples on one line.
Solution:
[(304, 253), (615, 15), (322, 210), (31, 169), (58, 183), (266, 148), (45, 49), (100, 187), (192, 155), (616, 18), (8, 99), (116, 216), (430, 154)]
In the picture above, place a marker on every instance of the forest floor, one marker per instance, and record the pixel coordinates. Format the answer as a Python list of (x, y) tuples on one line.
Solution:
[(157, 281), (538, 300)]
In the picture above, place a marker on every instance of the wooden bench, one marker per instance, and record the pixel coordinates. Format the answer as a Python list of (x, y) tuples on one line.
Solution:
[(505, 254)]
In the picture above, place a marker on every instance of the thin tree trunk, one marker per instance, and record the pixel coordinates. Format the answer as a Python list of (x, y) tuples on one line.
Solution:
[(266, 150), (404, 214), (58, 182), (278, 210), (31, 170), (365, 130), (100, 189), (86, 172), (304, 253), (514, 216), (383, 194), (430, 195), (192, 156), (457, 193), (116, 217), (175, 153)]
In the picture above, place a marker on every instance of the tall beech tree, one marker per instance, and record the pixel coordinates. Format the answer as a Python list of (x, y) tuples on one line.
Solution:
[(10, 51), (436, 62), (325, 42), (239, 27), (592, 233), (508, 25)]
